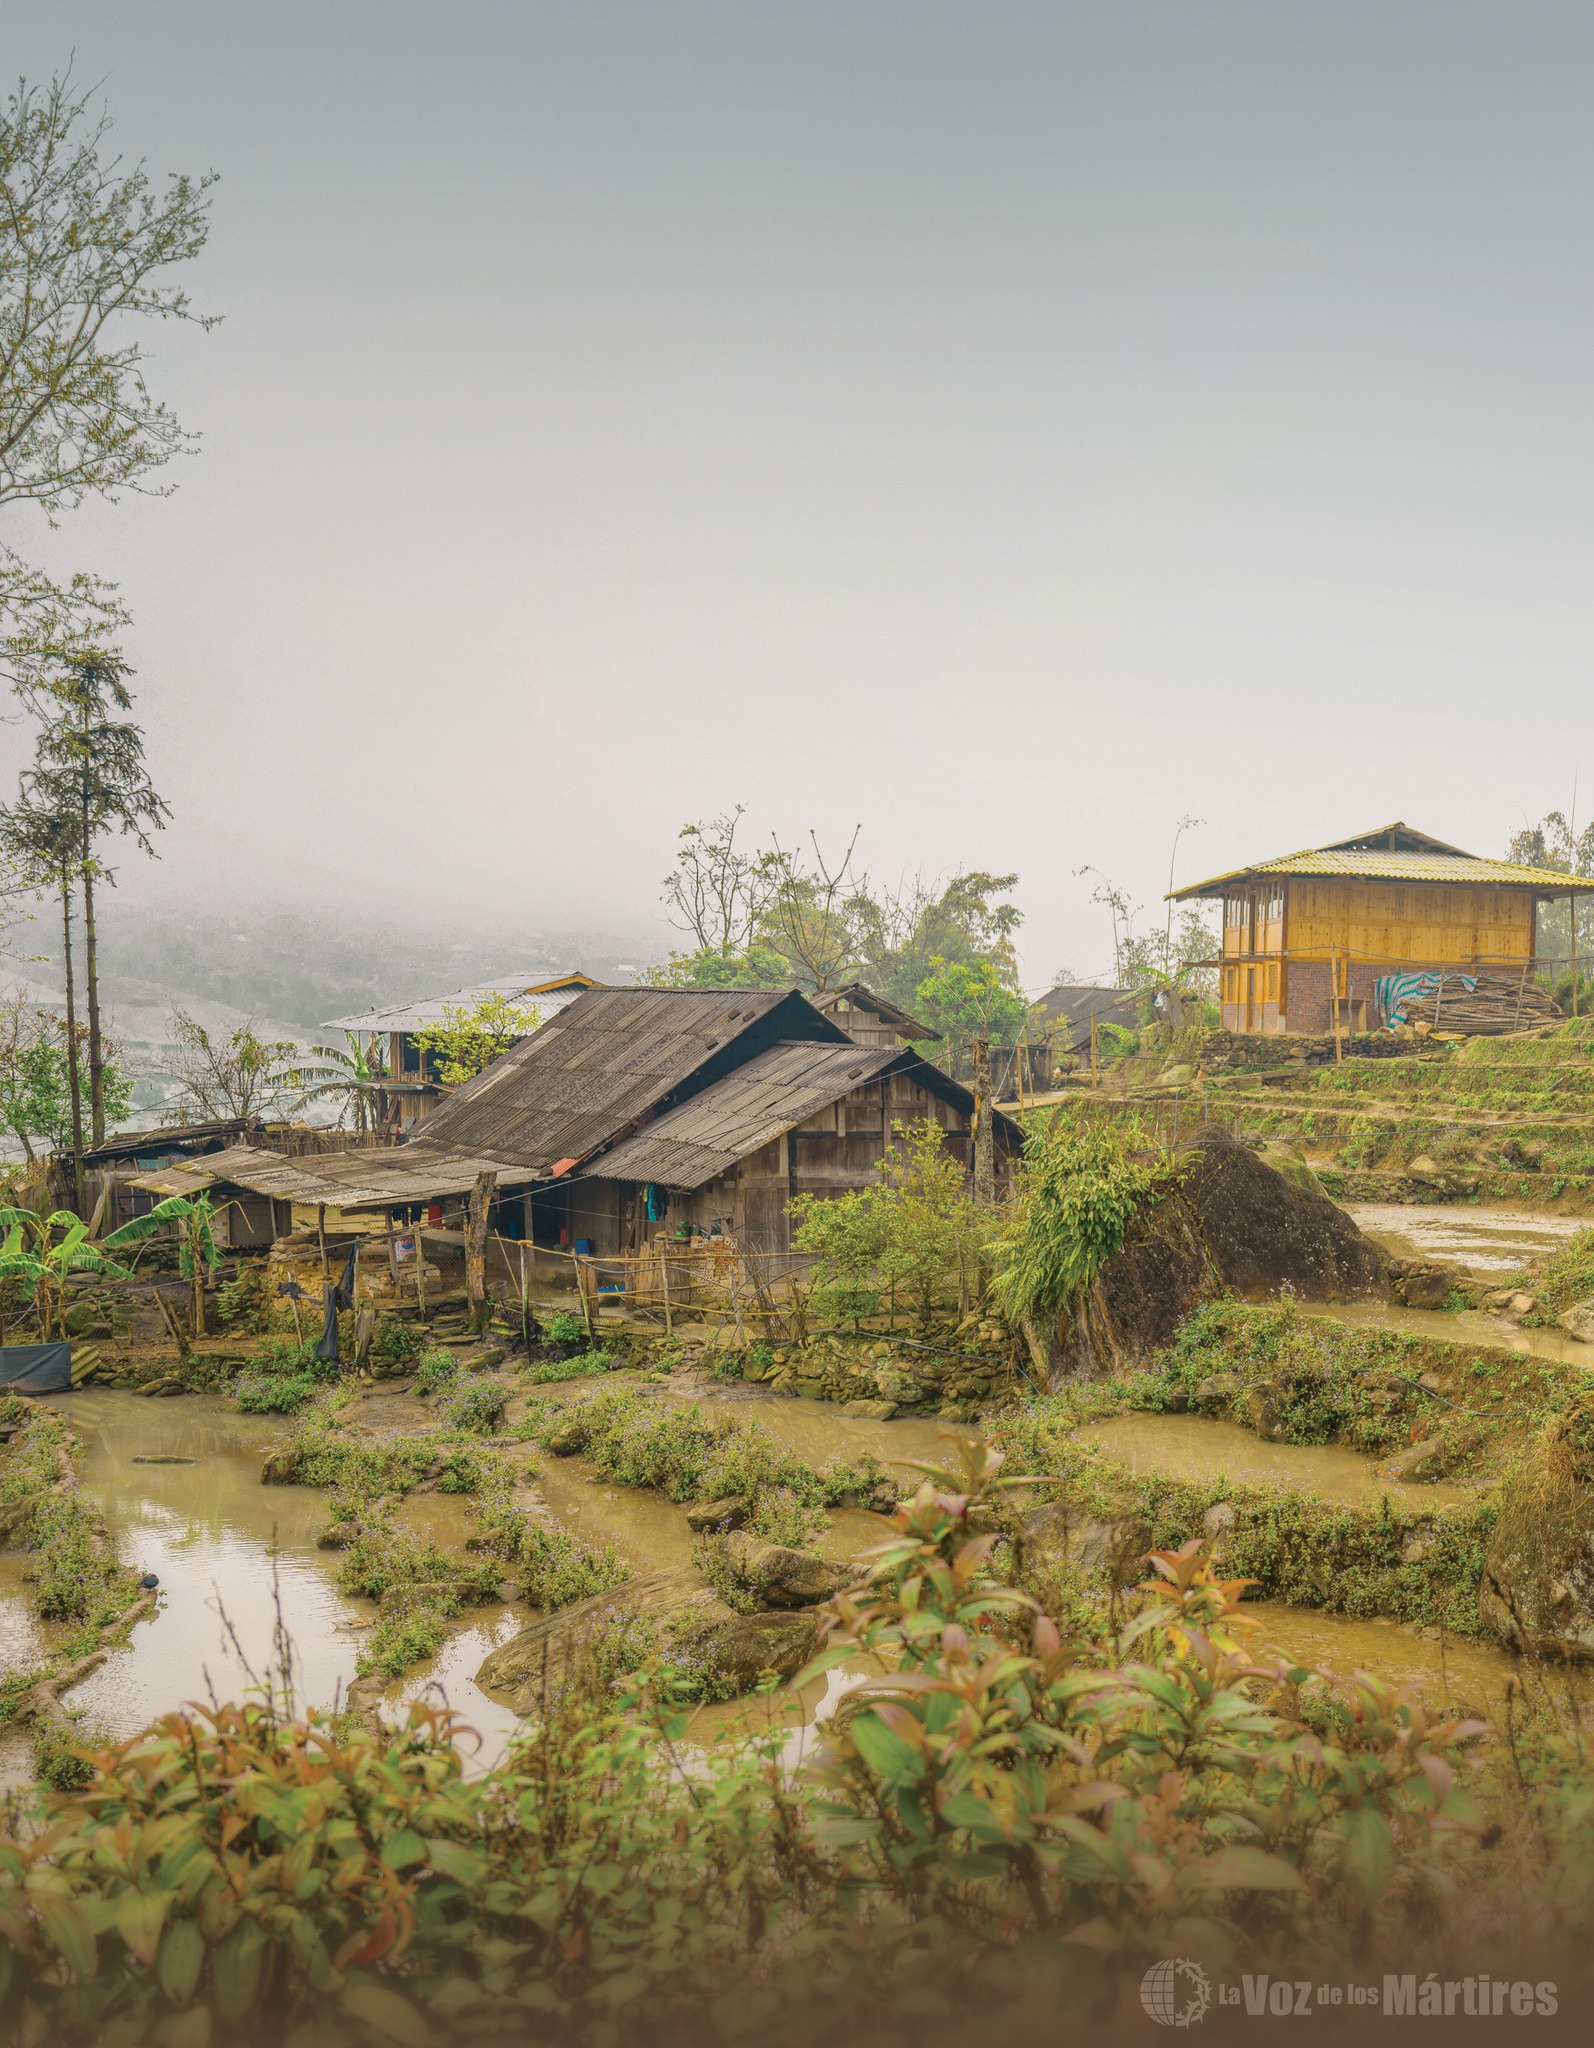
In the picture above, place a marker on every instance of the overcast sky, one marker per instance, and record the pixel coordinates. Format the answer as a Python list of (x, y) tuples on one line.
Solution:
[(1009, 427)]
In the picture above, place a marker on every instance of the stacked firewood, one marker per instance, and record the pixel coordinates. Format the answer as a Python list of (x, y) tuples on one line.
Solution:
[(1495, 1004)]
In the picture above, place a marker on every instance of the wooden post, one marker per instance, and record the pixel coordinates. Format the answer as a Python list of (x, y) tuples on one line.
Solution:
[(321, 1237), (581, 1289), (1339, 1012), (525, 1302), (984, 1128), (664, 1284), (420, 1263), (392, 1256), (481, 1201), (1093, 1022), (1571, 902)]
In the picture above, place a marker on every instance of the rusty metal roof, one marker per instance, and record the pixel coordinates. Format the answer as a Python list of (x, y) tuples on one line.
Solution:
[(1382, 865), (707, 1134), (594, 1071), (365, 1178)]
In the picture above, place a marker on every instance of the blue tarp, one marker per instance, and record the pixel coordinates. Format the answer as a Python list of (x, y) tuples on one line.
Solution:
[(36, 1368)]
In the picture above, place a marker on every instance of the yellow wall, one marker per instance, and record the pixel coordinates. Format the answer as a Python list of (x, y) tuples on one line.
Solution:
[(1416, 922)]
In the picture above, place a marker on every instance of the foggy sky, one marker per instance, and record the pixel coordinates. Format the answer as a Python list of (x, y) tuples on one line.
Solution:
[(1011, 427)]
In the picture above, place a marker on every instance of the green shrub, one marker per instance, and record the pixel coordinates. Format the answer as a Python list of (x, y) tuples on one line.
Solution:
[(564, 1328), (585, 1364), (274, 1393), (478, 1408), (436, 1373), (637, 1440)]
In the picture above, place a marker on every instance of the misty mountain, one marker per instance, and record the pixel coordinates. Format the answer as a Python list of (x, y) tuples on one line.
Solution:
[(293, 969)]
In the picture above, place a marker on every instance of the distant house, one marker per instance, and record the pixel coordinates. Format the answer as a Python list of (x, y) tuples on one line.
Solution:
[(868, 1019), (1308, 937), (411, 1089), (1061, 1021)]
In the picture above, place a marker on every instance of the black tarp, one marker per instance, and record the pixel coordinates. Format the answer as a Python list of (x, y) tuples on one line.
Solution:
[(36, 1368)]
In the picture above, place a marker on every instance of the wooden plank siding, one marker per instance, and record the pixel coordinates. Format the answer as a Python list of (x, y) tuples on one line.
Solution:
[(1336, 936)]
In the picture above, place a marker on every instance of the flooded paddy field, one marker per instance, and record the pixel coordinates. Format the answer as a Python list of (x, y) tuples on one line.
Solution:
[(1491, 1243), (1194, 1448)]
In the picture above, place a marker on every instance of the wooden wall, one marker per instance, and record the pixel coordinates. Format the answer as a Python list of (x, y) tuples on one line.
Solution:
[(1285, 945), (1421, 924)]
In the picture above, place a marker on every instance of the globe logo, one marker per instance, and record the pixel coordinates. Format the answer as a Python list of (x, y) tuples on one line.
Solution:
[(1175, 1993)]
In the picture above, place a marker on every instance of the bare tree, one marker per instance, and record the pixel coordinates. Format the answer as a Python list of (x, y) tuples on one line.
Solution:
[(235, 1074), (810, 915)]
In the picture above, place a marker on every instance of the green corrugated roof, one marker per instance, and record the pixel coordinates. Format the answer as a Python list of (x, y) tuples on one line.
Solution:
[(1382, 866)]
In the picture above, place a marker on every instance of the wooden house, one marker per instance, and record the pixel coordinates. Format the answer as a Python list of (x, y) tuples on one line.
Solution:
[(410, 1088), (1307, 937), (644, 1108), (633, 1112), (868, 1019)]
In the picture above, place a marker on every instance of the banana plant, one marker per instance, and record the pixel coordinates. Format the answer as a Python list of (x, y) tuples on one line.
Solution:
[(350, 1075), (197, 1256), (41, 1251)]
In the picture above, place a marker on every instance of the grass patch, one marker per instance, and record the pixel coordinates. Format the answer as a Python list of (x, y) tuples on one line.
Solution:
[(586, 1365), (636, 1439)]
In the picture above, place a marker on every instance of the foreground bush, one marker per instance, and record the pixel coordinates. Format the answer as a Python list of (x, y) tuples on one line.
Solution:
[(1006, 1815)]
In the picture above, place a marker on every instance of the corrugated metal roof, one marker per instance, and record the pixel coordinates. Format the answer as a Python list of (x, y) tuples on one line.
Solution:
[(359, 1179), (706, 1135), (545, 993), (1397, 867), (590, 1074), (1074, 1005)]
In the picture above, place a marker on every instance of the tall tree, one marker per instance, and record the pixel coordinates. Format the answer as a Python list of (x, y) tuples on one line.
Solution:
[(45, 842), (92, 763), (87, 246)]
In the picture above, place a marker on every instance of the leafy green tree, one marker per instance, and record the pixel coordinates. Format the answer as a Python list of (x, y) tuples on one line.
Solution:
[(962, 920), (968, 1000), (1563, 929), (194, 1219), (471, 1038), (88, 249), (913, 1235), (348, 1073), (44, 841), (87, 246)]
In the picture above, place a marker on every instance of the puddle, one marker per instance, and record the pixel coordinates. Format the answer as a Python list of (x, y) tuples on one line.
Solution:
[(1491, 1243), (1191, 1447)]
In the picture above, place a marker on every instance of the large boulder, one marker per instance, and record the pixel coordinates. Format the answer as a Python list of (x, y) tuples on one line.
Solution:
[(1110, 1545), (1538, 1575), (778, 1576), (1231, 1224), (675, 1612)]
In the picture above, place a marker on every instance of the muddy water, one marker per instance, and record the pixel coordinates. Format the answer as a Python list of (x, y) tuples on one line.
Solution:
[(1491, 1243), (1469, 1326), (231, 1555), (1445, 1671), (1191, 1447)]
